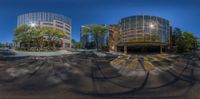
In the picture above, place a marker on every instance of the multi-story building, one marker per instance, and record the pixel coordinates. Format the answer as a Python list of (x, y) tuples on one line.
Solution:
[(47, 19), (89, 39), (114, 37), (144, 30), (134, 31)]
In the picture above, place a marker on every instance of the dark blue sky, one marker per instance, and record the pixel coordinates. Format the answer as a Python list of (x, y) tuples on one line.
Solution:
[(181, 13)]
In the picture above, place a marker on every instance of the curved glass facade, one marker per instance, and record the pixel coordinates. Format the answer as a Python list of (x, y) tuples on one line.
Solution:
[(47, 19), (37, 17), (144, 28)]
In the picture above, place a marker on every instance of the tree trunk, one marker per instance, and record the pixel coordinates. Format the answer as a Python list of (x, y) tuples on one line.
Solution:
[(53, 44), (96, 42)]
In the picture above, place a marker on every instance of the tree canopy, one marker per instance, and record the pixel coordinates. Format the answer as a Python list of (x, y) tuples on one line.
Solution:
[(76, 44), (186, 41), (38, 36), (98, 31)]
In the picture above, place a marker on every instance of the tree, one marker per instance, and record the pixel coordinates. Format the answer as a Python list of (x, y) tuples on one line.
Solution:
[(53, 36), (23, 35), (78, 45), (29, 35), (1, 45), (99, 34), (35, 36), (38, 34), (96, 32), (85, 36), (186, 41), (73, 43), (176, 33)]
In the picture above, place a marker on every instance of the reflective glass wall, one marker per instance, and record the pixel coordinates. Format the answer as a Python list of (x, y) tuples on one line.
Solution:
[(143, 28), (37, 17)]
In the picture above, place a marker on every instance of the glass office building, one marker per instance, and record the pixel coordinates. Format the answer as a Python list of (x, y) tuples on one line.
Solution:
[(48, 19), (144, 28)]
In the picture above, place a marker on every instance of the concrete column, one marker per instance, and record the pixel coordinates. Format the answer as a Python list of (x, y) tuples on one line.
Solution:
[(125, 50)]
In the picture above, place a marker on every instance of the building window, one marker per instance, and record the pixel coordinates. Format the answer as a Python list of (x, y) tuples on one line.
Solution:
[(59, 26), (48, 24), (59, 22)]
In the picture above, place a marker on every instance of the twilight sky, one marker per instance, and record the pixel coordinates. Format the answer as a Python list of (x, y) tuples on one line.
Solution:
[(184, 14)]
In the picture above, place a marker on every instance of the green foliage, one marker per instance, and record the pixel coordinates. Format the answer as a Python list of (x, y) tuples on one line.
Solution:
[(73, 43), (85, 30), (99, 32), (177, 31), (78, 45), (1, 45), (37, 37), (105, 48), (185, 42), (22, 33)]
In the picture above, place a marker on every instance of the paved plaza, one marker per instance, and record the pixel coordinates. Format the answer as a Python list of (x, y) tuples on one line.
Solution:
[(92, 75)]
